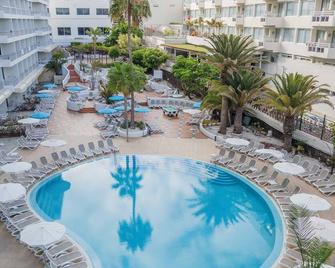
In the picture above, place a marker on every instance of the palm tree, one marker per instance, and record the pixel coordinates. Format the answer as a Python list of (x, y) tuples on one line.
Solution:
[(230, 53), (294, 94), (245, 86), (189, 23), (211, 23), (126, 78), (219, 25), (94, 33), (56, 62)]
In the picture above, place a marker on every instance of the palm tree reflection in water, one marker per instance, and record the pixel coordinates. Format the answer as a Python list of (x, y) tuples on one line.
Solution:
[(136, 232)]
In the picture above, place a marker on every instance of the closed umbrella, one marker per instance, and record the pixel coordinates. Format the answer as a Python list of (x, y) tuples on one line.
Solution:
[(273, 152), (121, 108), (40, 115), (310, 202), (49, 86), (116, 98), (16, 167), (107, 111), (42, 234), (28, 121), (237, 142), (47, 91), (53, 143), (11, 191)]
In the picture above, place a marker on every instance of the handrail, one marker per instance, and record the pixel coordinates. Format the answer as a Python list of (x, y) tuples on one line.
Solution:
[(67, 76)]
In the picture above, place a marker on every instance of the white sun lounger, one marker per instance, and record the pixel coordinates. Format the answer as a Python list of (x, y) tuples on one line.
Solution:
[(278, 188), (258, 174), (325, 183)]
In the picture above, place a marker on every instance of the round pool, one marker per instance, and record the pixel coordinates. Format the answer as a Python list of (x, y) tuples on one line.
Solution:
[(152, 211)]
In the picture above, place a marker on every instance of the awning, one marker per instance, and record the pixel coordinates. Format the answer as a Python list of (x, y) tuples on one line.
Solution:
[(188, 48)]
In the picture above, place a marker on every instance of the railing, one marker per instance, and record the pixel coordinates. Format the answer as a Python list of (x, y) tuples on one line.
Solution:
[(42, 29), (67, 76), (322, 16), (15, 11), (319, 47), (317, 128)]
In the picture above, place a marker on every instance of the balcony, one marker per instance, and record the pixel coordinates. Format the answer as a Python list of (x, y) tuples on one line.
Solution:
[(321, 50), (201, 4), (10, 11), (218, 3), (42, 30), (271, 20), (8, 36), (41, 14), (10, 59), (271, 45), (239, 20), (240, 2), (323, 18)]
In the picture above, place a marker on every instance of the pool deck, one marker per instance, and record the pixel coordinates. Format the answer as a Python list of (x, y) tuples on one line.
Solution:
[(76, 128)]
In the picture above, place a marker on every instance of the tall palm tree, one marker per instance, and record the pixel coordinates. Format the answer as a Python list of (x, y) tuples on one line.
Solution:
[(230, 53), (94, 33), (126, 78), (295, 94), (245, 86), (134, 11)]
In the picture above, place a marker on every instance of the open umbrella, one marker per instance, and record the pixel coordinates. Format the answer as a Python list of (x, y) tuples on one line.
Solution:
[(28, 121), (44, 95), (310, 202), (116, 98), (324, 229), (16, 167), (42, 234), (53, 143), (107, 111), (197, 105), (11, 191), (289, 168), (142, 110), (49, 86), (40, 115)]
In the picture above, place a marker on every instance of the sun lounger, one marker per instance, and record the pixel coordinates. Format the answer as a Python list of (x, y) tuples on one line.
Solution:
[(59, 248), (320, 177), (287, 193), (35, 172), (111, 146), (58, 161), (94, 150), (101, 146), (325, 183), (264, 156), (327, 190), (296, 159), (65, 259), (85, 152), (278, 188), (258, 174), (69, 158), (247, 149), (240, 162), (313, 171), (78, 155), (49, 167), (247, 167), (226, 160), (216, 157), (268, 180), (109, 132), (24, 143), (288, 263), (77, 265)]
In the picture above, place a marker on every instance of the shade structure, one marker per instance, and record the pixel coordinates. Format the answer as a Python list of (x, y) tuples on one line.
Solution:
[(310, 202), (44, 95), (142, 110), (42, 234), (16, 167), (11, 191), (40, 115), (49, 85), (74, 88), (121, 108), (192, 111), (28, 121), (197, 105), (107, 111), (324, 229), (289, 168), (275, 153), (53, 143), (237, 142), (116, 98)]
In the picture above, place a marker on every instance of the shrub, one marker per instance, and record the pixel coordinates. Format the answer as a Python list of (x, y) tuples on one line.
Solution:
[(149, 58), (114, 52), (119, 29)]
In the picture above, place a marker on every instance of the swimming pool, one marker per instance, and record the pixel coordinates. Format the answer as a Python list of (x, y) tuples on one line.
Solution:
[(74, 88), (152, 211)]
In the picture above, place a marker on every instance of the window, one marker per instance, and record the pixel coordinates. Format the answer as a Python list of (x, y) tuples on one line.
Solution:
[(291, 9), (303, 35), (259, 10), (104, 30), (102, 11), (62, 11), (306, 8), (83, 11), (83, 30), (247, 31), (288, 35), (225, 12), (232, 12), (231, 30), (249, 11), (64, 30), (258, 33)]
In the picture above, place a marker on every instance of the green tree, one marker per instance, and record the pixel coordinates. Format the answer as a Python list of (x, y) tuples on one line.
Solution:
[(94, 33), (114, 52), (244, 87), (230, 53), (294, 94), (118, 29), (194, 75), (126, 78), (149, 58), (56, 62), (123, 42)]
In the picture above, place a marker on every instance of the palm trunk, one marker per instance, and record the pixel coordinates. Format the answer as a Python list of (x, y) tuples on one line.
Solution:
[(238, 120), (130, 60), (288, 128), (224, 116), (126, 113)]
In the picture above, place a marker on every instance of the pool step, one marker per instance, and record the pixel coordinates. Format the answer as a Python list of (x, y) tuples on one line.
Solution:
[(222, 181)]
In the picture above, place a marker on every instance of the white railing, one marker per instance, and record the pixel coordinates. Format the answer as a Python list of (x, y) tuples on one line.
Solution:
[(322, 16), (67, 76)]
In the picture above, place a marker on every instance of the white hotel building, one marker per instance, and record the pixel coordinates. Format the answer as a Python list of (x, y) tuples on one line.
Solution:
[(295, 36), (25, 46), (70, 19)]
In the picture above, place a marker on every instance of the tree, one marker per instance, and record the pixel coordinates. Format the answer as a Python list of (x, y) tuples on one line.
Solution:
[(194, 75), (114, 52), (126, 78), (149, 58), (123, 43), (294, 94), (230, 53), (245, 86), (56, 62), (94, 33), (118, 29)]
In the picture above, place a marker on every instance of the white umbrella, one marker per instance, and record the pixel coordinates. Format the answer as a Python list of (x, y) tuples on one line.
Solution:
[(191, 111), (310, 202), (11, 191), (16, 167), (28, 121), (275, 153), (289, 168), (53, 143), (42, 234), (324, 229), (237, 141)]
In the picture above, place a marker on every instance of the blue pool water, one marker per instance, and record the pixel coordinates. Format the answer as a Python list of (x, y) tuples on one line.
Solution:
[(74, 88), (152, 211)]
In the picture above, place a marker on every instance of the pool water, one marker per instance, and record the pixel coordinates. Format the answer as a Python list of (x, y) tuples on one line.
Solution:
[(74, 88), (152, 211)]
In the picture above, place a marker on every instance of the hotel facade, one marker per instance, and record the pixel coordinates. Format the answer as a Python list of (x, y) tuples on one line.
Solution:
[(25, 47)]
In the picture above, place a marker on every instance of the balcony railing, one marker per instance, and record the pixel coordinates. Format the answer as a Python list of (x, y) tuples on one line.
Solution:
[(318, 47), (42, 29), (322, 16), (20, 52), (11, 33), (15, 11)]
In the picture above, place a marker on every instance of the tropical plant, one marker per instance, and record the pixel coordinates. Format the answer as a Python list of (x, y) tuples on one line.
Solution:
[(314, 252), (94, 33), (149, 58), (294, 94), (194, 75), (244, 87), (56, 62), (126, 78), (114, 52), (123, 41), (118, 29), (230, 53)]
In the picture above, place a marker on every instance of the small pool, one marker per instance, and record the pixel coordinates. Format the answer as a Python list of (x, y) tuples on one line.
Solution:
[(152, 211), (74, 88)]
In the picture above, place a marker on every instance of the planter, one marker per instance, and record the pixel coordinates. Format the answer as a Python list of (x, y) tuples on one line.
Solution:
[(133, 133)]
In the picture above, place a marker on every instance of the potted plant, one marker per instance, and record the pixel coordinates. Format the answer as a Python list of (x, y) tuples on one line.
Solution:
[(55, 64)]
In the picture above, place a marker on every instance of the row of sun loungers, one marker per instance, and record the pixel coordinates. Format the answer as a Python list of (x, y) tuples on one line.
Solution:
[(164, 102), (7, 157)]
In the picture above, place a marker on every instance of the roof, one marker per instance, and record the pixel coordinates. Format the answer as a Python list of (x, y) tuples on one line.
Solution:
[(188, 48)]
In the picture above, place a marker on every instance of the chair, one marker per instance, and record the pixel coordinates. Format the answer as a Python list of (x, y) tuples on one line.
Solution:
[(278, 188), (247, 167), (313, 171), (84, 151), (225, 160), (102, 147), (49, 167), (216, 157), (59, 248), (241, 161), (258, 174), (268, 180), (65, 259), (58, 161), (94, 150), (327, 190), (70, 159), (77, 155), (296, 159), (321, 176), (111, 146), (325, 183)]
